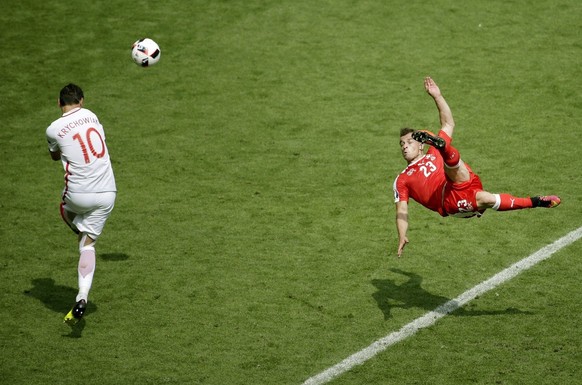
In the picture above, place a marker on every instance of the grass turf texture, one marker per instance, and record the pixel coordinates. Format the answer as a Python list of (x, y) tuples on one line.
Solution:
[(253, 238)]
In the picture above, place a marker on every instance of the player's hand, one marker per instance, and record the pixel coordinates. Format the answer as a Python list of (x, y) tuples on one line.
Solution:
[(401, 245), (431, 87)]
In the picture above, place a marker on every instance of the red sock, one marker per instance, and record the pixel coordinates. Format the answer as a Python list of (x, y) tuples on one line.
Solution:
[(450, 155), (507, 202)]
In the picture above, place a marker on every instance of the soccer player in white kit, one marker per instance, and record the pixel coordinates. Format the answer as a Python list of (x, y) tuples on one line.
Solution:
[(78, 140)]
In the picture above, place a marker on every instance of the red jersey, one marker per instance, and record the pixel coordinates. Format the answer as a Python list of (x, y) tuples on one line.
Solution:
[(424, 181)]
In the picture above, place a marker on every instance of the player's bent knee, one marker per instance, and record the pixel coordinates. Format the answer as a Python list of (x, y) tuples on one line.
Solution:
[(86, 241), (485, 200)]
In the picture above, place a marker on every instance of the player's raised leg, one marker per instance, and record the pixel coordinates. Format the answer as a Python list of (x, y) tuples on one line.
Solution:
[(454, 166), (449, 153)]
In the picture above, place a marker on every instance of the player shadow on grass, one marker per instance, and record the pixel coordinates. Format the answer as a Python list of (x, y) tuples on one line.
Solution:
[(59, 299), (114, 257), (410, 294)]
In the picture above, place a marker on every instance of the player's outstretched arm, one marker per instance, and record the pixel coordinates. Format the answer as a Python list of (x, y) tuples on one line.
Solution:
[(445, 113), (401, 225)]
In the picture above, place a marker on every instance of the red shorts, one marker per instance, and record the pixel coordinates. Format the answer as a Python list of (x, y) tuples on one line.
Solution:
[(459, 199)]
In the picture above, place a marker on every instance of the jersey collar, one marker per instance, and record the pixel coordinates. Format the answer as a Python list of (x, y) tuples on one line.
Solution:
[(416, 161), (71, 111)]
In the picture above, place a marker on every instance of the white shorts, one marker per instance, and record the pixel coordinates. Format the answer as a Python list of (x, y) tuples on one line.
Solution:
[(91, 209)]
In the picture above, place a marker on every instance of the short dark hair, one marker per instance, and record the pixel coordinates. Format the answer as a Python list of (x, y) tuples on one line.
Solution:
[(406, 131), (70, 94)]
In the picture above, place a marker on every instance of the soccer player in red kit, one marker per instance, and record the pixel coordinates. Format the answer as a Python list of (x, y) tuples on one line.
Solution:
[(440, 180)]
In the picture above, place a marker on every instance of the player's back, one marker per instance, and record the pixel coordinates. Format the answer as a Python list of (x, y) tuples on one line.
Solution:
[(79, 136)]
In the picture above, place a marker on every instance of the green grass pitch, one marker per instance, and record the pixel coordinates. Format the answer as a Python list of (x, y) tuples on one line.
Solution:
[(253, 239)]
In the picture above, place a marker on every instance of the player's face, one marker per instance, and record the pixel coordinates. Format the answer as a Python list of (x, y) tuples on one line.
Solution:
[(411, 149)]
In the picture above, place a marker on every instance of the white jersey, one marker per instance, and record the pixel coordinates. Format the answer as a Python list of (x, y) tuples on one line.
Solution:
[(80, 138)]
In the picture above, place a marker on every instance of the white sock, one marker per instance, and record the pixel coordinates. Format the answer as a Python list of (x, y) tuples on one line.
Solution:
[(497, 201), (85, 271)]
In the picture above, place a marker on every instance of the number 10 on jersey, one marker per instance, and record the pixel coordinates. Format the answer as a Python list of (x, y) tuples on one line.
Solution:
[(90, 134)]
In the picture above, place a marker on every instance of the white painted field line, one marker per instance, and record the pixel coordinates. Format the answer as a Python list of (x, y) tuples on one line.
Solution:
[(431, 317)]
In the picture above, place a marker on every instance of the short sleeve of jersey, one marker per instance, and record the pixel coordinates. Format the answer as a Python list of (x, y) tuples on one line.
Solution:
[(400, 190), (53, 146)]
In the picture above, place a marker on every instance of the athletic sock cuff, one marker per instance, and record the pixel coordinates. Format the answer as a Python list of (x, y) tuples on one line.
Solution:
[(497, 202)]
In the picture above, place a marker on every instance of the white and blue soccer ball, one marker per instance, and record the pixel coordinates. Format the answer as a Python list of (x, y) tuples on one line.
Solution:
[(145, 52)]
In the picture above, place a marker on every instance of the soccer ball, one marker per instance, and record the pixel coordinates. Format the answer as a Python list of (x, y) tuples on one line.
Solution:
[(145, 52)]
